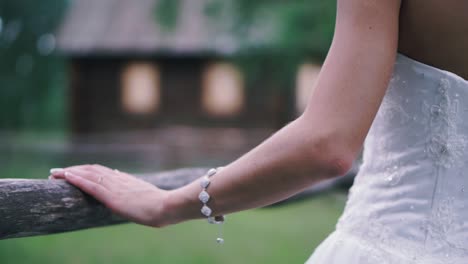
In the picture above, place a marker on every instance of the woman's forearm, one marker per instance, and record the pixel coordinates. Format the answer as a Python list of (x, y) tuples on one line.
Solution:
[(320, 144), (289, 161)]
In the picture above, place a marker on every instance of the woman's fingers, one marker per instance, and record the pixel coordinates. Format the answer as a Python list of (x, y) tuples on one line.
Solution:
[(92, 188), (104, 179), (108, 171), (110, 179), (77, 170), (59, 173), (123, 193), (98, 167), (89, 175)]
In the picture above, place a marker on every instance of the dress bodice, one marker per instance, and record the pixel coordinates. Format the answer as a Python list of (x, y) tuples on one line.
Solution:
[(410, 197)]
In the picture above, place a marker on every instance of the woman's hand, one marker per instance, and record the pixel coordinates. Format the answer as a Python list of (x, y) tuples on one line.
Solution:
[(124, 194)]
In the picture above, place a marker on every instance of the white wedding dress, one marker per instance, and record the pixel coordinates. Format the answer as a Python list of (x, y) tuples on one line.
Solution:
[(409, 201)]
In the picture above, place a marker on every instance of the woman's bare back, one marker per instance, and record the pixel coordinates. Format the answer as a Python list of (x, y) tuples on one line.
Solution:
[(436, 33)]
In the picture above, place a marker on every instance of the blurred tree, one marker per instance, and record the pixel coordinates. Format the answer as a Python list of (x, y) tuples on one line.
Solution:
[(32, 79), (296, 31), (31, 76), (274, 37), (301, 28)]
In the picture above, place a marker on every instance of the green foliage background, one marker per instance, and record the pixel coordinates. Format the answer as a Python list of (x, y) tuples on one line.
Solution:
[(303, 31), (303, 28), (32, 83)]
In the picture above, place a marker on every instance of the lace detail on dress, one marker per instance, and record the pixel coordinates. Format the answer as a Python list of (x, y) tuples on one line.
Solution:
[(391, 107), (378, 240), (402, 200), (442, 223), (393, 175), (445, 147)]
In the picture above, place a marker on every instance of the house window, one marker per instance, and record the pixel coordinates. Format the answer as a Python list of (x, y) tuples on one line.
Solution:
[(222, 90), (140, 90), (305, 84)]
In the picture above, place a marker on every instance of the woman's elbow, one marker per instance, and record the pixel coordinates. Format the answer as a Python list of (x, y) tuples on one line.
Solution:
[(335, 159), (329, 151)]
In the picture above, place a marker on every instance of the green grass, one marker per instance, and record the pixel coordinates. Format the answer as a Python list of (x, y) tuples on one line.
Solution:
[(286, 234)]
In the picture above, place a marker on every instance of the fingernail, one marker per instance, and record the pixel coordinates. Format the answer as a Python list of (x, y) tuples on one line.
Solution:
[(69, 175), (56, 170)]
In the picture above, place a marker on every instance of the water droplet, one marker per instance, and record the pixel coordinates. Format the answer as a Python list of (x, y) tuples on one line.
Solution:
[(457, 95), (407, 100), (463, 188), (412, 207), (46, 44), (393, 177)]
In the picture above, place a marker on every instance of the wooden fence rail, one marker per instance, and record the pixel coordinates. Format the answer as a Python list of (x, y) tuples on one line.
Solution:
[(39, 207)]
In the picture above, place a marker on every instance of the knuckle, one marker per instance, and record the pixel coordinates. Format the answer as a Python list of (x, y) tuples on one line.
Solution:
[(97, 167)]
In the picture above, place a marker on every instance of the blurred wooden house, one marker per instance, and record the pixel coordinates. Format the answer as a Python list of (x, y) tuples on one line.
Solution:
[(127, 72)]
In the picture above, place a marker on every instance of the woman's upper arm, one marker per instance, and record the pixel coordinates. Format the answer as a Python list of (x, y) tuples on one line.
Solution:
[(356, 72)]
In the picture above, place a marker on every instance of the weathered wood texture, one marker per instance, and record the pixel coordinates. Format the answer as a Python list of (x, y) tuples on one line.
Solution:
[(39, 207)]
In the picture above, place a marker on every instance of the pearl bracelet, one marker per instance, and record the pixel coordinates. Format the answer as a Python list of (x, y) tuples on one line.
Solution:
[(204, 197)]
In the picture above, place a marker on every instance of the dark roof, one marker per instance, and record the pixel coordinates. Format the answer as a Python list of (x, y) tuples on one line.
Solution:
[(130, 27)]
